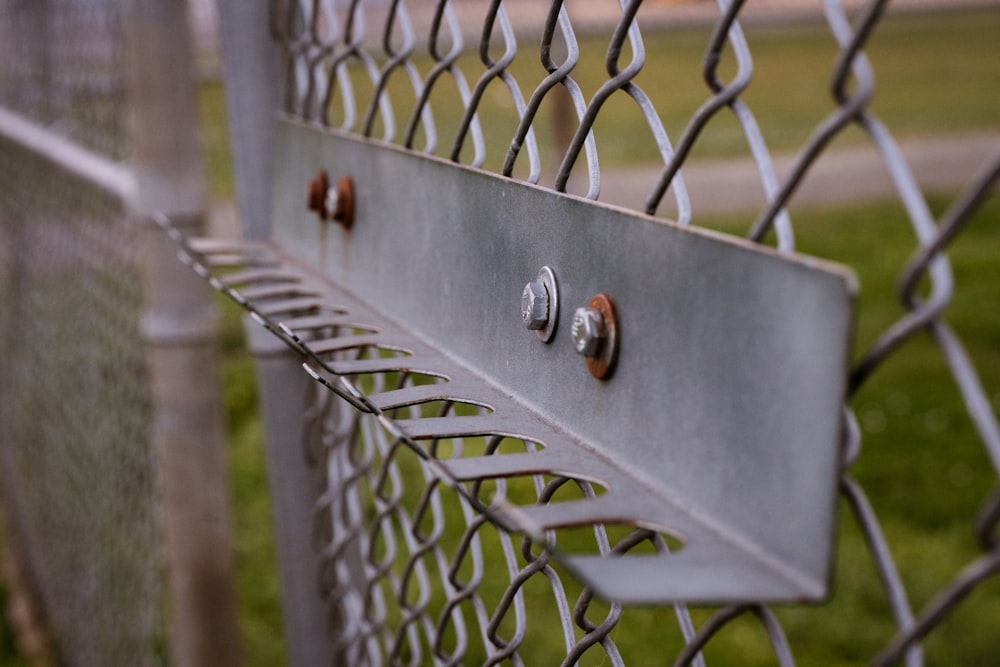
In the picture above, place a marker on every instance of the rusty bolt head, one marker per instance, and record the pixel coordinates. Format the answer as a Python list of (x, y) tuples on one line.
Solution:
[(588, 331), (535, 306), (342, 200), (318, 188), (601, 363)]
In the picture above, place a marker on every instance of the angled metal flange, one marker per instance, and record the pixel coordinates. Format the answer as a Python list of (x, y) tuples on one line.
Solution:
[(720, 425)]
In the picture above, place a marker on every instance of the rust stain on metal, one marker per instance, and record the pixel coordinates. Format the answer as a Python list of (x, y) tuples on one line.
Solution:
[(603, 365)]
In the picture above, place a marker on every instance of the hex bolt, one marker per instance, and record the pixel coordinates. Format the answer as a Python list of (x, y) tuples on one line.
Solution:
[(540, 304), (319, 188), (595, 333), (588, 331), (535, 306), (342, 199)]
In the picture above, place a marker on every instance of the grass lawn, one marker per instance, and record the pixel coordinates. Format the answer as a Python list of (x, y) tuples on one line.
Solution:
[(921, 462)]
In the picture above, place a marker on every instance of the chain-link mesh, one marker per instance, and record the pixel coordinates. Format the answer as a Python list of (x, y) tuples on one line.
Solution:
[(75, 410), (412, 574)]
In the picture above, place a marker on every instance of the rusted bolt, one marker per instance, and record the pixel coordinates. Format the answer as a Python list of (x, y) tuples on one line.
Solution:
[(318, 188), (343, 210), (595, 335), (332, 203)]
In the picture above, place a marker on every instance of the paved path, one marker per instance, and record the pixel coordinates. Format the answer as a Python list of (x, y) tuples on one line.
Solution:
[(941, 164)]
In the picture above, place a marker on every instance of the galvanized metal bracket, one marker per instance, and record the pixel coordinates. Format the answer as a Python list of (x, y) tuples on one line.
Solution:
[(721, 423)]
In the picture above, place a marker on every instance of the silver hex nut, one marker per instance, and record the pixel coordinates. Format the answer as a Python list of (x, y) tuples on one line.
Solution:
[(535, 306)]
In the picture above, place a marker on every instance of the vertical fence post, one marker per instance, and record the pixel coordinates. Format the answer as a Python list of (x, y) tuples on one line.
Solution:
[(284, 389), (252, 81), (253, 76), (180, 326)]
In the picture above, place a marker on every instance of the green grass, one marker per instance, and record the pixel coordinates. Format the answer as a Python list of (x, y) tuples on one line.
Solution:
[(215, 140), (256, 563), (921, 463)]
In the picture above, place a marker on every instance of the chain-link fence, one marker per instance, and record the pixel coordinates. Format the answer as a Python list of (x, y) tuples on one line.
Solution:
[(77, 466), (110, 439), (74, 401), (413, 569), (61, 69)]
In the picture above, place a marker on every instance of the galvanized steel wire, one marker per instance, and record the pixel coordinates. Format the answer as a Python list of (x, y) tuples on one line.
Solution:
[(339, 58)]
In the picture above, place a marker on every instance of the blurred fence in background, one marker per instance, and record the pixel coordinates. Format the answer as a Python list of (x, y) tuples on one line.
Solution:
[(62, 68), (110, 430), (77, 462)]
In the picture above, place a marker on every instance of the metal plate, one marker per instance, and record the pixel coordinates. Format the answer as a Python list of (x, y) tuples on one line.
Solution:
[(725, 405)]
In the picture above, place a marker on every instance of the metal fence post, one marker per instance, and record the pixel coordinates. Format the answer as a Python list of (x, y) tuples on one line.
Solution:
[(180, 328), (283, 391), (252, 83), (252, 66)]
